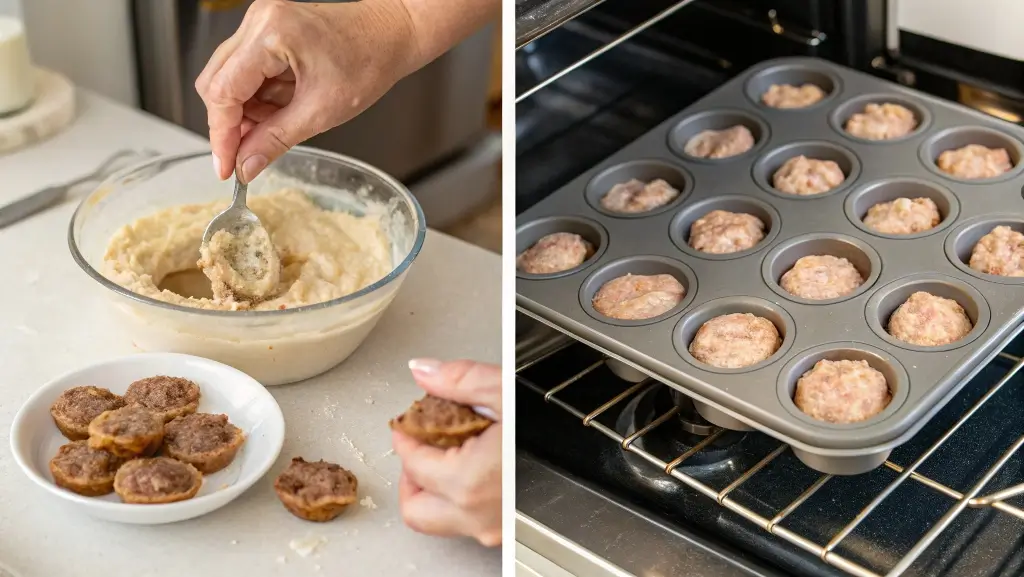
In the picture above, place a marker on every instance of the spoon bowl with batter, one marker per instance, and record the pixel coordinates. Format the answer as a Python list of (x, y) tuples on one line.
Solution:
[(237, 253)]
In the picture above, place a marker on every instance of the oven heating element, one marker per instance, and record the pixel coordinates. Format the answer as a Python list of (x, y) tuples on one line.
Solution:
[(776, 525)]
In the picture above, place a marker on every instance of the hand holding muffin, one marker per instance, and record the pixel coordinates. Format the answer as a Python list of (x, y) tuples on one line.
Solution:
[(453, 491)]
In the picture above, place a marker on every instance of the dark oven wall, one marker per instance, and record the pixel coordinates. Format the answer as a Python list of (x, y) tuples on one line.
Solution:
[(569, 126)]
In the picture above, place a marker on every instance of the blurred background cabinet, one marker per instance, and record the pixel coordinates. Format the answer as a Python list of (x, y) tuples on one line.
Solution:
[(431, 131)]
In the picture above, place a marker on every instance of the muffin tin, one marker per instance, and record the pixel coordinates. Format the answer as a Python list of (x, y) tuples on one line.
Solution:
[(759, 397)]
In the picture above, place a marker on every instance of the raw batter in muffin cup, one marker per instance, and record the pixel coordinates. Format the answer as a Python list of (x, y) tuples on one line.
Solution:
[(804, 176), (1000, 252), (724, 143), (555, 253), (789, 96), (884, 121), (635, 196), (928, 320), (821, 277), (735, 340), (842, 391), (974, 161), (903, 216), (637, 297), (723, 232)]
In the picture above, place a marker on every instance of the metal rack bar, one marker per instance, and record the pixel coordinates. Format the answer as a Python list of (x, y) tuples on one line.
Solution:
[(1007, 493), (572, 379), (545, 356), (979, 502), (774, 525), (952, 514), (810, 491), (669, 467), (625, 37), (615, 400), (951, 493), (750, 473), (650, 427)]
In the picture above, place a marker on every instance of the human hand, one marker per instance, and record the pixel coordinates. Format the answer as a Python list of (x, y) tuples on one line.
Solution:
[(293, 70), (455, 492)]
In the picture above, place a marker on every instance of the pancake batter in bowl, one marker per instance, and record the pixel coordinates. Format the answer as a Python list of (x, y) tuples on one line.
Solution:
[(324, 255)]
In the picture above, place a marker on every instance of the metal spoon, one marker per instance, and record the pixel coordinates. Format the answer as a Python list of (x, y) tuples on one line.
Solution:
[(236, 218)]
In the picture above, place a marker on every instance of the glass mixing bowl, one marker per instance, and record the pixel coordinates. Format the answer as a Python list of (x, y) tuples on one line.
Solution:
[(275, 346)]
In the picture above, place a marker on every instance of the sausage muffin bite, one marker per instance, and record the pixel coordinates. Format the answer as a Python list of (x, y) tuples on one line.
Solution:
[(440, 422), (168, 397), (81, 469), (76, 407), (317, 491), (207, 442), (127, 432), (157, 480)]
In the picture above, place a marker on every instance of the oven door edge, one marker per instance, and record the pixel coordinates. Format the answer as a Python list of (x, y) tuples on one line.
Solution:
[(563, 521)]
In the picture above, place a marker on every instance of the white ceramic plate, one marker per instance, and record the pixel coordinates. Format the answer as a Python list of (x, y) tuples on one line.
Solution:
[(35, 438)]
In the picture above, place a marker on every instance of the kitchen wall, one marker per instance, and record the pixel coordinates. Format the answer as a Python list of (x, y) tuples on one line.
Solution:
[(89, 41), (991, 26), (10, 8)]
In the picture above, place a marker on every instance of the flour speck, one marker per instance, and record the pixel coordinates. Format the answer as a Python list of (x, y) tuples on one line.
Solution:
[(306, 546)]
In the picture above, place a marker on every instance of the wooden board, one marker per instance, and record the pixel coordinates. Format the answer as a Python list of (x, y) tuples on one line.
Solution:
[(51, 111)]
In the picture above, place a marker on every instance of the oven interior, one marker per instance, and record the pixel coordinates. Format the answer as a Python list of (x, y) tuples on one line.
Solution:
[(945, 503)]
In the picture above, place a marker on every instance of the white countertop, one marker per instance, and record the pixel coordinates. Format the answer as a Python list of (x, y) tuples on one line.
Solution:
[(53, 319)]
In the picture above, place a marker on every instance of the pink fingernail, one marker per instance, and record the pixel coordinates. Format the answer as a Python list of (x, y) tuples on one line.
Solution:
[(216, 165), (425, 367)]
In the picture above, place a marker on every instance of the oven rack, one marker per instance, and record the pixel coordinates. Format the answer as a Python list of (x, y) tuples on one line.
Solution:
[(579, 7), (774, 525)]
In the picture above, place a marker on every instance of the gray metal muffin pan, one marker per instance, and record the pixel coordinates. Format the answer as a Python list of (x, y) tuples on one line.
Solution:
[(921, 379)]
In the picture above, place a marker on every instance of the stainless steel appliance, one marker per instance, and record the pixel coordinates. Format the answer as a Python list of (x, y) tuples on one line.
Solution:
[(618, 477), (429, 131)]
